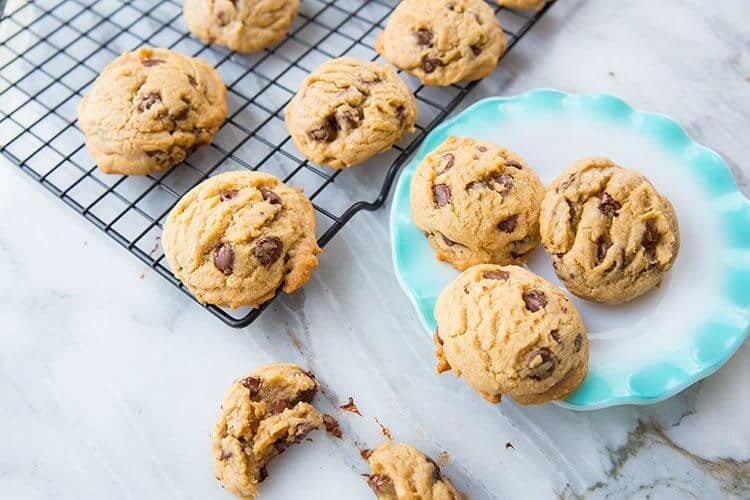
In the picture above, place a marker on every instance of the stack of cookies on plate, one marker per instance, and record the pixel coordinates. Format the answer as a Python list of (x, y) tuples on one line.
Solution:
[(611, 236)]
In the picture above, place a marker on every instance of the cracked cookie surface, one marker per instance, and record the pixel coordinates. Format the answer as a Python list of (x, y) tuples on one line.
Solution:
[(263, 413), (508, 331), (236, 237), (443, 41), (348, 110), (477, 202), (149, 109), (401, 472), (242, 25), (611, 235)]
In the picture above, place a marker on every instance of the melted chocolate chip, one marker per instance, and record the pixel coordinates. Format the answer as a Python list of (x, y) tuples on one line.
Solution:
[(262, 474), (555, 334), (280, 445), (447, 240), (476, 49), (429, 64), (348, 118), (181, 115), (482, 149), (379, 483), (224, 258), (326, 132), (302, 431), (267, 249), (149, 100), (424, 36), (508, 225), (650, 238), (192, 80), (513, 164), (577, 342), (442, 194), (332, 426), (534, 300), (608, 205), (400, 114), (496, 275), (228, 194), (253, 384), (278, 406), (270, 196), (151, 62), (449, 159), (505, 181), (540, 362)]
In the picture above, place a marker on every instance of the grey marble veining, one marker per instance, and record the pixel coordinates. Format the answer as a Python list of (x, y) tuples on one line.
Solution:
[(110, 379)]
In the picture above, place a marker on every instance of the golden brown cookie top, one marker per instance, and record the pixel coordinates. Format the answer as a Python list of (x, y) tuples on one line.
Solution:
[(477, 202), (263, 413), (238, 236), (149, 108), (509, 331), (348, 110), (611, 235), (242, 25), (443, 41), (401, 472)]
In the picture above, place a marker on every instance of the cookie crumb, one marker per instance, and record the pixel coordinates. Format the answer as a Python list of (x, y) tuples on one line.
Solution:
[(509, 446), (351, 407), (365, 453), (442, 458), (385, 430), (332, 426)]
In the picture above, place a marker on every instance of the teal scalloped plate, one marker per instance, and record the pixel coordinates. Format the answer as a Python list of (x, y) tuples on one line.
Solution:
[(652, 348)]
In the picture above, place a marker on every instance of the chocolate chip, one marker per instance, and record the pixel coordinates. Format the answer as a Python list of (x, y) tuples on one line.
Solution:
[(379, 483), (278, 406), (447, 240), (540, 362), (482, 149), (262, 474), (400, 114), (555, 334), (351, 407), (508, 225), (518, 255), (566, 183), (650, 238), (577, 342), (476, 49), (608, 205), (496, 275), (181, 115), (326, 132), (423, 36), (267, 249), (602, 246), (270, 196), (302, 431), (513, 164), (307, 395), (253, 384), (449, 159), (349, 118), (151, 62), (442, 194), (436, 475), (332, 426), (224, 258), (451, 6), (429, 64), (228, 194), (505, 181), (225, 455), (280, 445), (148, 100), (192, 80), (365, 453), (534, 300)]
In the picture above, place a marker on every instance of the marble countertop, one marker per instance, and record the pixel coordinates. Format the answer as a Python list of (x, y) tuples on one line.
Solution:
[(110, 378)]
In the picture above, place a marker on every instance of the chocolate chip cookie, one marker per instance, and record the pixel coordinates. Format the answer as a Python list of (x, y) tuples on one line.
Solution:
[(234, 239), (149, 109), (477, 203), (443, 41), (611, 235), (522, 4), (348, 110), (400, 472), (242, 25), (509, 331), (263, 413)]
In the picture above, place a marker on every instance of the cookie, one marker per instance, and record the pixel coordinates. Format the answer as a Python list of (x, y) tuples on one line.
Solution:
[(149, 109), (237, 237), (509, 331), (443, 41), (262, 414), (242, 25), (522, 4), (348, 110), (477, 203), (400, 472), (611, 235)]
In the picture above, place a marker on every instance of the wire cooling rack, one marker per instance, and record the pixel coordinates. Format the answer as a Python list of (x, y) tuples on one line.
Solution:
[(51, 51)]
